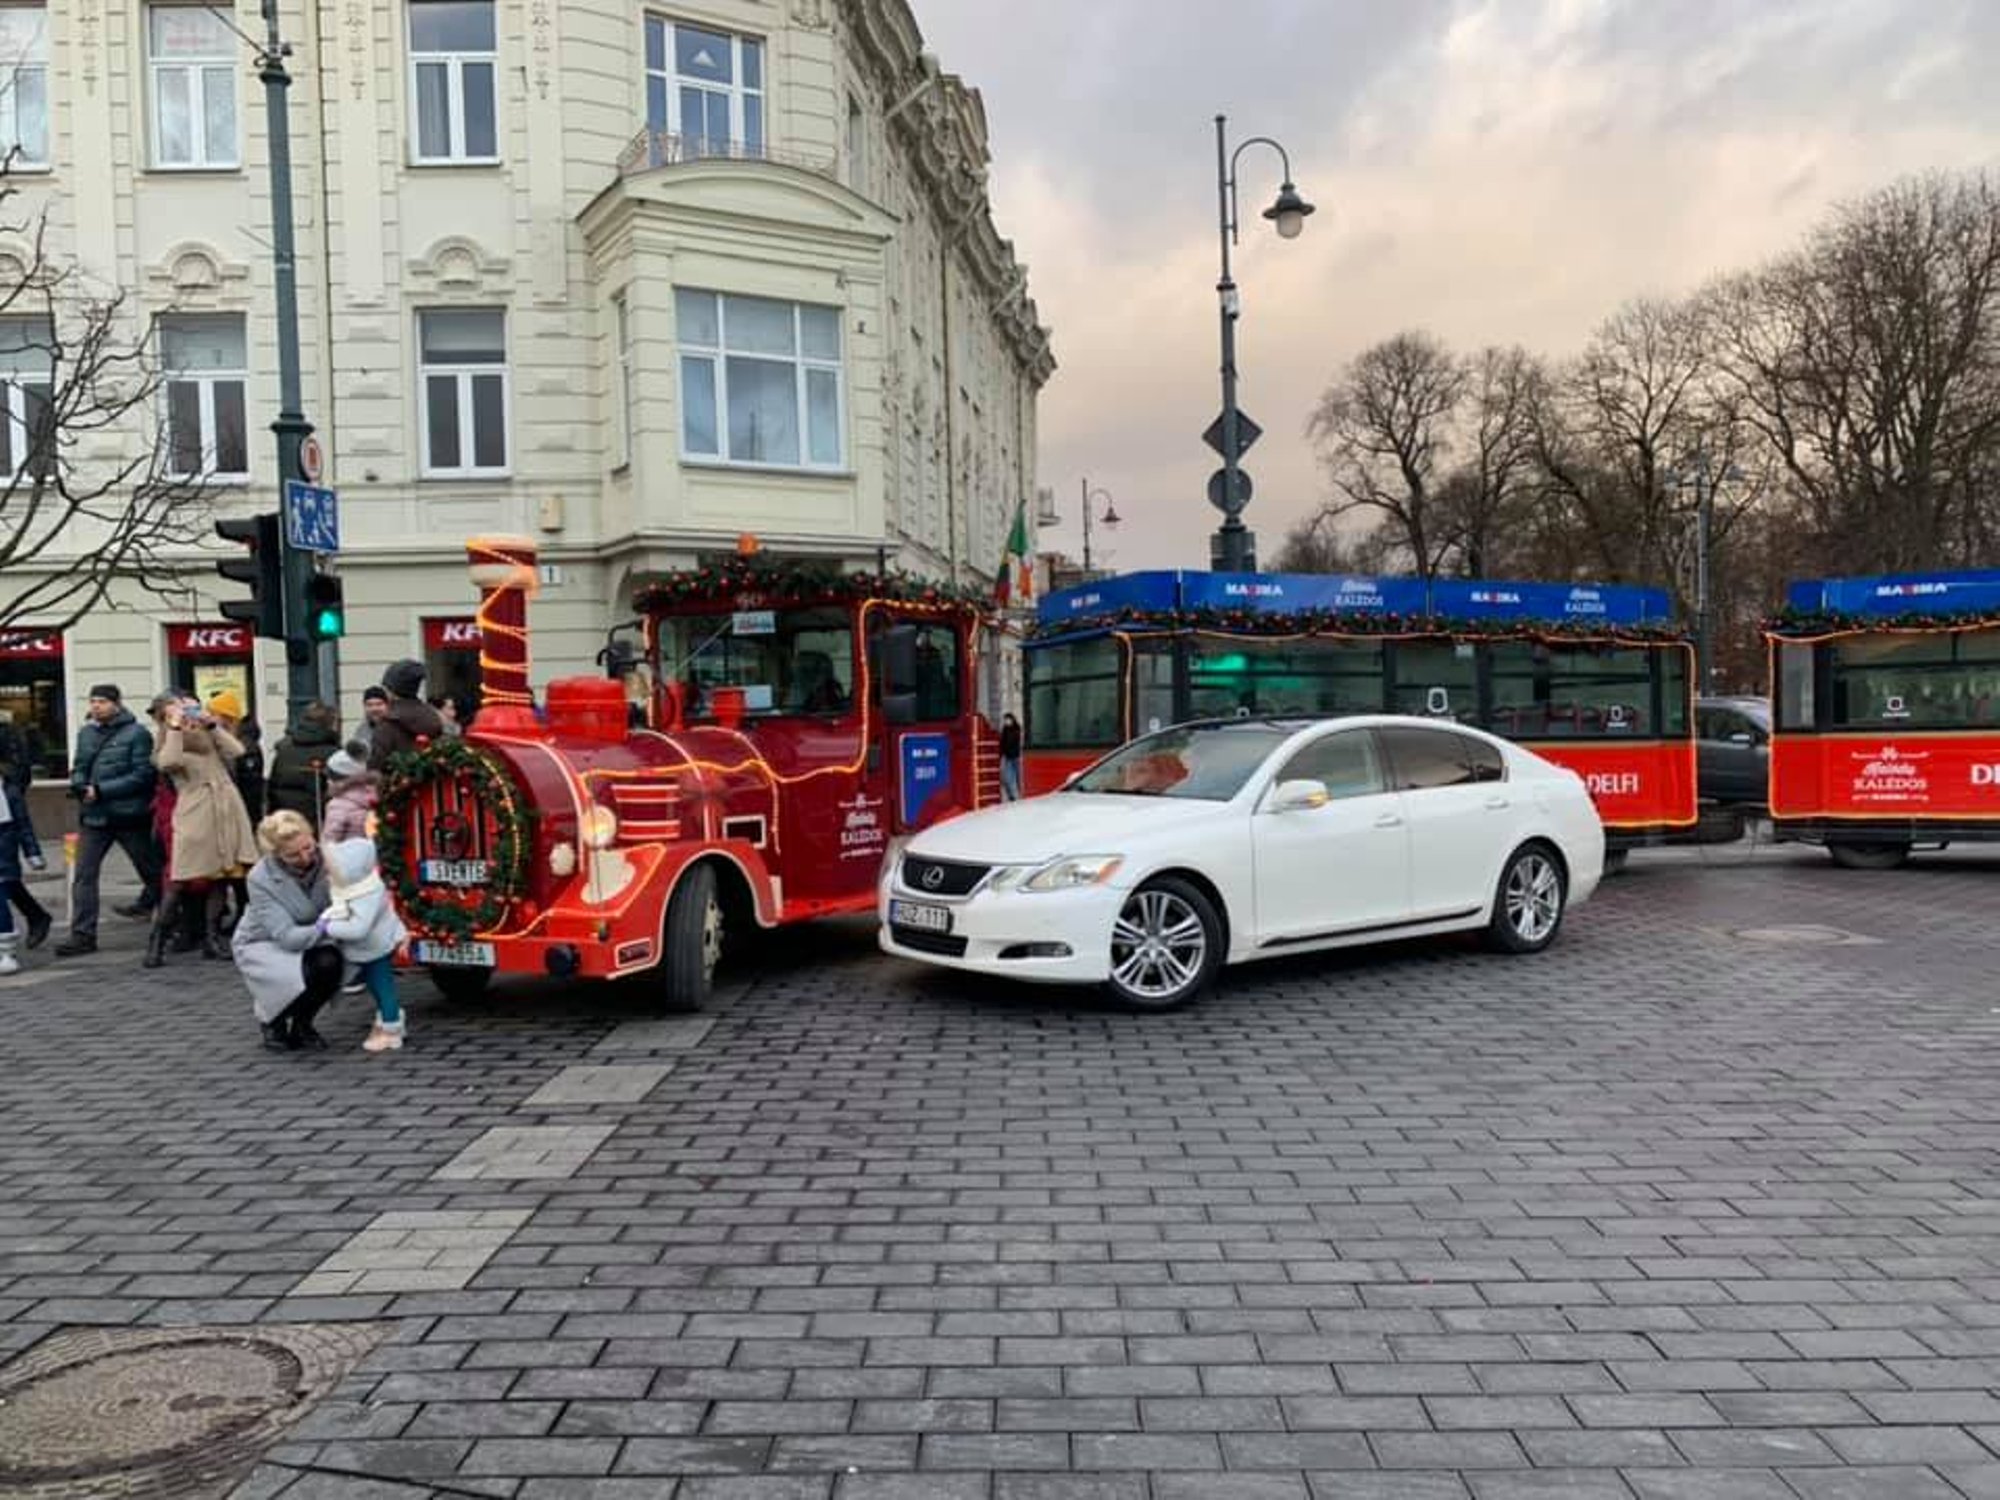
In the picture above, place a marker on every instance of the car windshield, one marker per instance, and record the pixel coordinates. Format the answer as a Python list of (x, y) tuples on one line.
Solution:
[(1203, 762)]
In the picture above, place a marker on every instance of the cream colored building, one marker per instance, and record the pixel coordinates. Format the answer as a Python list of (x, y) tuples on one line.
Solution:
[(630, 278)]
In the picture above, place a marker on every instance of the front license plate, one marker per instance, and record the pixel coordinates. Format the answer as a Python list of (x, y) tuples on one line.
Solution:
[(916, 914), (458, 872), (455, 955)]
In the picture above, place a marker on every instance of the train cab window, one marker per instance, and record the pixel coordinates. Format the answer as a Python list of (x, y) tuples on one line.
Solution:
[(1073, 696), (937, 673), (788, 661)]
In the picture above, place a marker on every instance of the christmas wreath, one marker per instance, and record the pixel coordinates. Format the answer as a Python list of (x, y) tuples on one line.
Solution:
[(457, 913), (1795, 623)]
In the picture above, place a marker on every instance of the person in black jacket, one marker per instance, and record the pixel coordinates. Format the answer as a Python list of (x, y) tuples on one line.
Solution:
[(112, 776), (1010, 758), (17, 773), (298, 765), (409, 720)]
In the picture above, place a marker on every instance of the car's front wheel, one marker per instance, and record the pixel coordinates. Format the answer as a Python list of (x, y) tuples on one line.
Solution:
[(1528, 907), (1166, 945)]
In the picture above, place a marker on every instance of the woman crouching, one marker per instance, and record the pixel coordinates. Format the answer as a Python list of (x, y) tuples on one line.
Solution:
[(282, 950)]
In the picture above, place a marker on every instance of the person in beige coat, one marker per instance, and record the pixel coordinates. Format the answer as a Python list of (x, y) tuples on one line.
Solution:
[(212, 842)]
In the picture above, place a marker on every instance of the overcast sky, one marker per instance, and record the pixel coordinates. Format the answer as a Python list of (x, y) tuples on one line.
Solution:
[(1493, 170)]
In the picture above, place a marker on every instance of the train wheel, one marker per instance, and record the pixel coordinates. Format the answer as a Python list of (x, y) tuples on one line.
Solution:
[(693, 941), (1869, 856)]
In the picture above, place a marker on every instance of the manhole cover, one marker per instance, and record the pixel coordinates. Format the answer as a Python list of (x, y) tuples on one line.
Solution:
[(161, 1412), (1804, 933)]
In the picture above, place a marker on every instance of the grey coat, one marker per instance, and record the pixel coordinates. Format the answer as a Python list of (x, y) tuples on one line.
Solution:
[(276, 930)]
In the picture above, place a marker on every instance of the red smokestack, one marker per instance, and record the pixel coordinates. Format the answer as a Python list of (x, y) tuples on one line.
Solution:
[(504, 569)]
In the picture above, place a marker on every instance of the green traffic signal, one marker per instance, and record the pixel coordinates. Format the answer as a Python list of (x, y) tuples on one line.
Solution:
[(326, 610)]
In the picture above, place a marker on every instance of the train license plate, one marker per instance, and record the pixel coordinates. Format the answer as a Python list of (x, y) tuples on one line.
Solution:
[(916, 914), (458, 872), (455, 955)]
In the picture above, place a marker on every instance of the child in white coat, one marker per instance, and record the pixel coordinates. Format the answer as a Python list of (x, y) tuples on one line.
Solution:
[(363, 921)]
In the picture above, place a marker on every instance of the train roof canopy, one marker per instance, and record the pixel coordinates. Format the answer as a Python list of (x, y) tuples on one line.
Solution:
[(1970, 592), (1187, 597)]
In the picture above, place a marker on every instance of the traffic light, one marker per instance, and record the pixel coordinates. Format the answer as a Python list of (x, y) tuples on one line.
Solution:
[(263, 570), (326, 611)]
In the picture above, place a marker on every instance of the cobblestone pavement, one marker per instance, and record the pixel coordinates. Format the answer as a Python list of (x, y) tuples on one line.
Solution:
[(1699, 1203)]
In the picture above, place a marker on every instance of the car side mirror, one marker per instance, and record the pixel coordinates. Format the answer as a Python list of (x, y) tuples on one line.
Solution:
[(1299, 796)]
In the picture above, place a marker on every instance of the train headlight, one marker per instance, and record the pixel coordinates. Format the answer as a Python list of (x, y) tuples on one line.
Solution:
[(562, 860), (599, 828)]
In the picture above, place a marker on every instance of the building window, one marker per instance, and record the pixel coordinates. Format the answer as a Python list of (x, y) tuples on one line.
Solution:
[(857, 146), (194, 58), (27, 367), (453, 69), (206, 363), (24, 90), (464, 380), (760, 380), (706, 88), (622, 314)]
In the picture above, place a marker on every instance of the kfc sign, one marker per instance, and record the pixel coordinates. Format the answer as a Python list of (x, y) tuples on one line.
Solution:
[(209, 640), (30, 645), (452, 635)]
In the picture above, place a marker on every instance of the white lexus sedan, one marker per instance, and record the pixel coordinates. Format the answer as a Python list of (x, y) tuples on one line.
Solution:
[(1239, 839)]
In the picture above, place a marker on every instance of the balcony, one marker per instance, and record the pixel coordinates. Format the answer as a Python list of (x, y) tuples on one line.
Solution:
[(650, 149)]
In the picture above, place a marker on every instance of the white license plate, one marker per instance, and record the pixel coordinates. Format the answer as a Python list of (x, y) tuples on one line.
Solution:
[(916, 914), (455, 955), (458, 872)]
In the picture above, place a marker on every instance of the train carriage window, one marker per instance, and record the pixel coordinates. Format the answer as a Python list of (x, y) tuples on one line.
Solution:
[(1904, 679), (1229, 676), (1073, 697), (1438, 680), (1795, 685), (1153, 684), (1602, 692)]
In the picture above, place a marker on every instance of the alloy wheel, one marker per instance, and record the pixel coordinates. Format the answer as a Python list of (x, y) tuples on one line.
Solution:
[(1159, 946), (1533, 897)]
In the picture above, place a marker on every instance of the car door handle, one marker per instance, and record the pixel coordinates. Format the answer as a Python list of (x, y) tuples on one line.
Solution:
[(1389, 820), (1496, 804)]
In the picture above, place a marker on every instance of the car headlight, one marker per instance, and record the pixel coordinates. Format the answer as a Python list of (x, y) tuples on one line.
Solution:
[(1074, 870), (1006, 877)]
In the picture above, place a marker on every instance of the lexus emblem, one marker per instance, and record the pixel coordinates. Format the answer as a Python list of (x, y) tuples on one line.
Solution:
[(932, 878)]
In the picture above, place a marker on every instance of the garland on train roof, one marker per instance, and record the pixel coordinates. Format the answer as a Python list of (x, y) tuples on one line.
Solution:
[(1354, 622), (1807, 623), (794, 579), (456, 913)]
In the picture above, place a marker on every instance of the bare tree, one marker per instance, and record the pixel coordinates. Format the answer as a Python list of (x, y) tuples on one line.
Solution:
[(90, 493), (1870, 364), (1383, 429), (1318, 544), (1488, 494)]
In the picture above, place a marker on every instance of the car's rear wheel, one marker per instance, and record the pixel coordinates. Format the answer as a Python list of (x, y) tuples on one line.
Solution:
[(1869, 856), (1528, 907), (1166, 945)]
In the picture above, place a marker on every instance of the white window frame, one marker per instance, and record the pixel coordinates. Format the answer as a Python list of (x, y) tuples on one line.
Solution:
[(462, 377), (205, 383), (739, 94), (196, 69), (36, 60), (717, 356), (455, 153), (621, 332)]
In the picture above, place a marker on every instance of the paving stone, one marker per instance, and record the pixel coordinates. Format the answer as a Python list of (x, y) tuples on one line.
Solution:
[(515, 1152), (607, 1083)]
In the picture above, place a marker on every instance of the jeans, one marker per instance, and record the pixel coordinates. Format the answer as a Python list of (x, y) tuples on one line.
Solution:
[(1010, 780), (379, 974), (92, 845)]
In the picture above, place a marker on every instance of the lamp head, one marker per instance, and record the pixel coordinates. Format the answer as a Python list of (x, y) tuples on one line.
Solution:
[(1289, 212)]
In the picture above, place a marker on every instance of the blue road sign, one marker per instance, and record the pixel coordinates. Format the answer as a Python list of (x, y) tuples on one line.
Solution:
[(312, 518)]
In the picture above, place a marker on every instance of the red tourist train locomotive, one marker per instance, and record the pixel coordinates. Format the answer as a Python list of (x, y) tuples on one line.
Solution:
[(788, 724)]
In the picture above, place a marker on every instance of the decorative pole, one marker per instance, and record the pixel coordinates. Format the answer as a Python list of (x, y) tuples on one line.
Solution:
[(504, 569)]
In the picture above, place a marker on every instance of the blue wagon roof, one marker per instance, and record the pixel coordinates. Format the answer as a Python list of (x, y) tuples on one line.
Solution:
[(1888, 595), (1189, 597)]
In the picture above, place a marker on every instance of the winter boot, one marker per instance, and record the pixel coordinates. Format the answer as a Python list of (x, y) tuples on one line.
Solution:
[(156, 947), (386, 1037), (9, 943), (213, 943)]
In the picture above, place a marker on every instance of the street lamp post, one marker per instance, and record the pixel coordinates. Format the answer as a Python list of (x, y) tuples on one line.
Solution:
[(1110, 518), (1230, 490), (1702, 480)]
